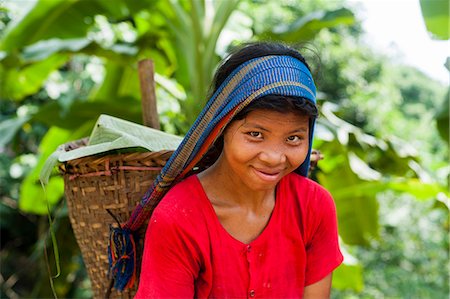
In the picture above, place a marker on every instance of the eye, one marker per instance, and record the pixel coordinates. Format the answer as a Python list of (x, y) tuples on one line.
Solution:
[(255, 134), (294, 139)]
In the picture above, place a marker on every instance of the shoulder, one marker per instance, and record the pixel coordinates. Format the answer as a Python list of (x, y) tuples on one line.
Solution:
[(314, 206), (304, 187), (183, 194), (307, 197), (181, 191), (181, 218), (183, 203)]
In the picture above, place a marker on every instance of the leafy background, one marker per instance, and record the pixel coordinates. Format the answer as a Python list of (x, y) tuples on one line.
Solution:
[(383, 129)]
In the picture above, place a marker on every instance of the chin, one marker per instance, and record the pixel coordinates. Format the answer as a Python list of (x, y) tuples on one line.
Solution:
[(262, 186)]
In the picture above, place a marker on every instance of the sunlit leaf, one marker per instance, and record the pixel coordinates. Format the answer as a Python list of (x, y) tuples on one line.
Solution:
[(436, 16), (356, 203), (361, 169), (18, 83), (417, 188), (306, 27), (64, 19), (79, 112), (171, 86), (45, 21), (45, 48), (348, 277), (33, 198)]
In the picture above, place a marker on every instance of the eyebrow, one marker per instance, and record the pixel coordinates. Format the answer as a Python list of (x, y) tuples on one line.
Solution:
[(302, 129)]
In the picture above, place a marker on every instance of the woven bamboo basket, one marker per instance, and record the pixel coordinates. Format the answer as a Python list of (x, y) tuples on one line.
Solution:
[(95, 185)]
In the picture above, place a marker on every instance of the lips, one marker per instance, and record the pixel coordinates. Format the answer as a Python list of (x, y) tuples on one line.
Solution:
[(268, 174)]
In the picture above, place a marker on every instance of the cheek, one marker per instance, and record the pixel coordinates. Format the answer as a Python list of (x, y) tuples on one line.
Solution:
[(297, 156), (240, 151)]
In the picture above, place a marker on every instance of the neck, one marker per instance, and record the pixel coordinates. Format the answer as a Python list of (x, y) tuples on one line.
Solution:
[(223, 187)]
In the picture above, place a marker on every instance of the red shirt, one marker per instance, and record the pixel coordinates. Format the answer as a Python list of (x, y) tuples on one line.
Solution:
[(188, 253)]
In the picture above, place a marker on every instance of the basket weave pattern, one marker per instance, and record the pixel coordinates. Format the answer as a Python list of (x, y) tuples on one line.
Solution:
[(93, 185)]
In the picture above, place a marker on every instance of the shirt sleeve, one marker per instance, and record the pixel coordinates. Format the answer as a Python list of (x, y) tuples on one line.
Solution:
[(170, 262), (322, 247)]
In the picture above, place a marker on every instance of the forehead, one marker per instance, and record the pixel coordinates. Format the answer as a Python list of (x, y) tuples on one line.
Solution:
[(271, 117)]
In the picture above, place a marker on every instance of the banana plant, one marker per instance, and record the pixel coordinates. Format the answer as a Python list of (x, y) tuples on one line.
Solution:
[(48, 35), (195, 27), (436, 15), (180, 36)]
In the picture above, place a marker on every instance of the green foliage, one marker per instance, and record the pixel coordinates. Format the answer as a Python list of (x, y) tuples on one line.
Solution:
[(382, 118), (408, 261), (23, 264), (10, 127), (13, 83), (442, 113), (33, 197), (307, 27), (43, 21), (436, 16), (358, 172), (442, 118), (348, 277), (437, 19)]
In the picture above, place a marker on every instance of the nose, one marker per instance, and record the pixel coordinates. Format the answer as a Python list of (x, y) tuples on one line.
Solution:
[(272, 155)]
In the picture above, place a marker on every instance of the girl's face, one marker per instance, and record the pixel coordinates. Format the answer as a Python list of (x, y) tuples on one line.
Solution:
[(263, 147)]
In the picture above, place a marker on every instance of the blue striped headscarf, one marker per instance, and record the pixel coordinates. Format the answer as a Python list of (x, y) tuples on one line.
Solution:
[(258, 77)]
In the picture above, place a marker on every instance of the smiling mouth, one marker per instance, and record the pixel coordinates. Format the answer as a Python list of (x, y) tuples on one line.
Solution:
[(269, 173), (268, 176)]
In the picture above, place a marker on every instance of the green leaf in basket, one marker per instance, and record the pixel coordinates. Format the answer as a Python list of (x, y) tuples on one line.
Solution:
[(111, 133)]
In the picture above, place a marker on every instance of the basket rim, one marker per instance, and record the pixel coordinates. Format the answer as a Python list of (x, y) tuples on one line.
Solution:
[(103, 163)]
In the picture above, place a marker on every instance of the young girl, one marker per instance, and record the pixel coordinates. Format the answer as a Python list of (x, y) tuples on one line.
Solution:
[(248, 223)]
